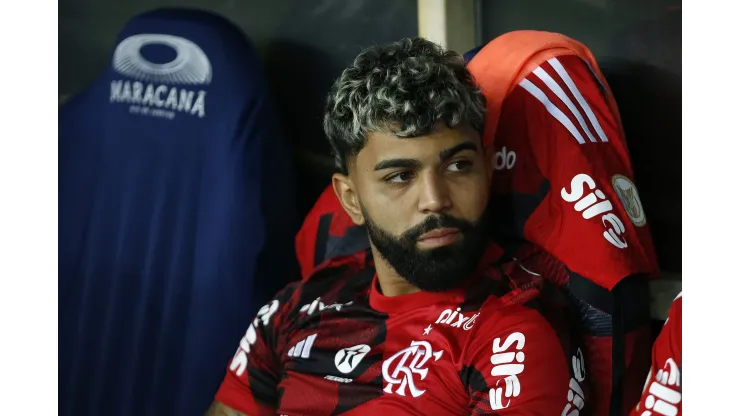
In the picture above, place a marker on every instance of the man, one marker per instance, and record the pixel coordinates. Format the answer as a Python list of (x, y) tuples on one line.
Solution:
[(433, 327)]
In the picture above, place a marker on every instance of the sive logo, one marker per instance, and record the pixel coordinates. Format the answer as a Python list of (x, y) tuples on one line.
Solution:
[(508, 363), (664, 396), (576, 398), (593, 204), (239, 362)]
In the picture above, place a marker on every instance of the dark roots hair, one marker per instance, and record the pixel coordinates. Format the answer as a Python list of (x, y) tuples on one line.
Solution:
[(404, 88)]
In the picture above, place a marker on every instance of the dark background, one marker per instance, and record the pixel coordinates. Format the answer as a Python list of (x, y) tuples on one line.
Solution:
[(304, 44)]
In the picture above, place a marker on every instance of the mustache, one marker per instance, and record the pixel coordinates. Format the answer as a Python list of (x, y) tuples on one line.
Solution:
[(435, 222)]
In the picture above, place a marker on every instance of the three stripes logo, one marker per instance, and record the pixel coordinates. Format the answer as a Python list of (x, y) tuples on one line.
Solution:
[(303, 348), (581, 112)]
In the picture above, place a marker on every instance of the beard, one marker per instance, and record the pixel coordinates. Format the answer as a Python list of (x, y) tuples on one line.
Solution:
[(437, 269)]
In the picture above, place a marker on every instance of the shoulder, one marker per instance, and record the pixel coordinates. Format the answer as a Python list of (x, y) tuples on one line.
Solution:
[(499, 316), (514, 359), (339, 283)]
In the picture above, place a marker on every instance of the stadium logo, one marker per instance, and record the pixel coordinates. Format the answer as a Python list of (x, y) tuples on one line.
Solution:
[(456, 319), (593, 204), (504, 160), (630, 199), (190, 66), (152, 91), (407, 364), (347, 359), (508, 363)]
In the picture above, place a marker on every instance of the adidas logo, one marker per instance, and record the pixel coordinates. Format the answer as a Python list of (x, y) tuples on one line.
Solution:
[(303, 348)]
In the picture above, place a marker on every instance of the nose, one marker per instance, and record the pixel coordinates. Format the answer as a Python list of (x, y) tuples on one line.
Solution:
[(434, 194)]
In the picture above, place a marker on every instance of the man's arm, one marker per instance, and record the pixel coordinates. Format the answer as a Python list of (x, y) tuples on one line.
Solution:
[(253, 374), (220, 409), (519, 367)]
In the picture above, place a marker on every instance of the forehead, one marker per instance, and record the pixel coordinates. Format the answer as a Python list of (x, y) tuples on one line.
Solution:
[(385, 145)]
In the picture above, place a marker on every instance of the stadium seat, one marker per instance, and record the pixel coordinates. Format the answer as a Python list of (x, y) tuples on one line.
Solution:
[(175, 217)]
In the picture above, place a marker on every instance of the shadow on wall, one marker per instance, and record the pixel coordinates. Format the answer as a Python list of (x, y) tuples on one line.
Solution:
[(300, 76), (646, 81), (649, 100)]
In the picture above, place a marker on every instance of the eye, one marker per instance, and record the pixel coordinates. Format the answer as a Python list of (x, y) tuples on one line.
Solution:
[(400, 177), (460, 166)]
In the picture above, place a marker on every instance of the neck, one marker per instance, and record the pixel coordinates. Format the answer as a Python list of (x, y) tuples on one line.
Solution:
[(391, 284)]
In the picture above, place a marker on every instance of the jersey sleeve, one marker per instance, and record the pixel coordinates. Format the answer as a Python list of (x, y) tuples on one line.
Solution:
[(253, 374), (562, 159), (517, 366), (662, 392)]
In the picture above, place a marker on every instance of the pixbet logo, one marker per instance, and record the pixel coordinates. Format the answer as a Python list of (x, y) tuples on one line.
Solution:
[(593, 204), (456, 319), (504, 160)]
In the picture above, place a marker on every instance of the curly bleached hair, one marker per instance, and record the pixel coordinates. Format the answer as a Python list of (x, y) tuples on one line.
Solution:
[(404, 88)]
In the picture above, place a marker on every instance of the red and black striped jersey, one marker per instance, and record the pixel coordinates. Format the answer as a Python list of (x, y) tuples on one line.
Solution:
[(334, 344)]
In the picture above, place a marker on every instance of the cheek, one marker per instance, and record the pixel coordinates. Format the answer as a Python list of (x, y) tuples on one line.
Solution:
[(471, 200), (386, 213)]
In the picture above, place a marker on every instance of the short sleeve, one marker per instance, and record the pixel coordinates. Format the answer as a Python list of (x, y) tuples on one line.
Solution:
[(253, 374), (517, 366)]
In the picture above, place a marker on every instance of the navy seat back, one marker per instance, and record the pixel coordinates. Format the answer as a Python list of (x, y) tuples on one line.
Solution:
[(175, 217)]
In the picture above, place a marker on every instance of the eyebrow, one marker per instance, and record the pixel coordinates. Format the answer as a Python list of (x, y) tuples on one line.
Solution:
[(415, 164), (452, 151), (398, 164)]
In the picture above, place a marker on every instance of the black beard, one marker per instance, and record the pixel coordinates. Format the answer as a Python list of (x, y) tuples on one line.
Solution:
[(438, 269)]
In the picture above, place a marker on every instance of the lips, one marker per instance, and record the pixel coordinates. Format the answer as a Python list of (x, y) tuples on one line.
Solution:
[(438, 233)]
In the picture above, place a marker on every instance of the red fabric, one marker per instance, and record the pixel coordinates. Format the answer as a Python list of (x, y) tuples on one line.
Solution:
[(585, 179), (460, 352), (305, 240), (662, 392)]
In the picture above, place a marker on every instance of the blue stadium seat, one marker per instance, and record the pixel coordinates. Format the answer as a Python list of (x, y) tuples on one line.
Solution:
[(175, 217)]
